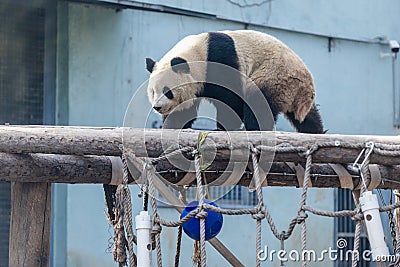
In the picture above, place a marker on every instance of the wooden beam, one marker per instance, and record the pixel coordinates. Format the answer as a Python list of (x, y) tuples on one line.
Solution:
[(65, 140), (30, 224), (280, 174), (98, 169), (152, 142), (55, 168)]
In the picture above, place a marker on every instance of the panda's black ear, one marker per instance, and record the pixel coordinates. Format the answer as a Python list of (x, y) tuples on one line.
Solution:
[(150, 64), (179, 64)]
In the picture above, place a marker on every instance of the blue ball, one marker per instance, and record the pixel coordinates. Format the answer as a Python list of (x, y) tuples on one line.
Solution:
[(214, 221)]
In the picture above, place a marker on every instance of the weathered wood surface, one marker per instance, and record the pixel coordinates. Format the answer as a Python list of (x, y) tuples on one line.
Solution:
[(30, 224), (152, 142), (55, 168), (66, 140), (98, 169), (323, 176)]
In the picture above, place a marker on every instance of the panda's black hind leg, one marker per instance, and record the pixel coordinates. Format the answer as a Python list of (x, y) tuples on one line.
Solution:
[(249, 119), (311, 124)]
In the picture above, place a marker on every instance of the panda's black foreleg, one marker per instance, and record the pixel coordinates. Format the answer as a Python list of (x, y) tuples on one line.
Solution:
[(182, 119), (188, 125), (229, 114), (311, 124), (252, 124), (176, 124)]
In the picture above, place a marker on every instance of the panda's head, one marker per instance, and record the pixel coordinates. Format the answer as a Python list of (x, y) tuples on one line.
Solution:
[(171, 85)]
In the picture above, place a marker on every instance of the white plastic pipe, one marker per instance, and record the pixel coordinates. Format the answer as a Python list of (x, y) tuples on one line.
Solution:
[(143, 231), (370, 209)]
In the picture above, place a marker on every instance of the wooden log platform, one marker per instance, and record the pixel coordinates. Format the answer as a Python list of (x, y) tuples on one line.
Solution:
[(43, 168), (33, 157), (78, 154), (69, 140)]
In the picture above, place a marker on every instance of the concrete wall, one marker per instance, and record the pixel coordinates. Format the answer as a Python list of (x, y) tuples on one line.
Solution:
[(358, 19), (101, 65)]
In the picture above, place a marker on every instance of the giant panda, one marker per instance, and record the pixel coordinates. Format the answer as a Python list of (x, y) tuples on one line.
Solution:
[(281, 78)]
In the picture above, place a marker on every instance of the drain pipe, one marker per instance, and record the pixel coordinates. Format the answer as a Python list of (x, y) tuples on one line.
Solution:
[(394, 47), (396, 108)]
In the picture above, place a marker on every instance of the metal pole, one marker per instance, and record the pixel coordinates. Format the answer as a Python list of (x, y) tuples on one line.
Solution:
[(143, 228), (370, 209)]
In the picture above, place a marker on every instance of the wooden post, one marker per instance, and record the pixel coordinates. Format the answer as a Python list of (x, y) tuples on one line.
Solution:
[(30, 224)]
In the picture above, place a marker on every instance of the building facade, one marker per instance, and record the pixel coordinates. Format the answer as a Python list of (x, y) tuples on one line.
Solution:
[(99, 64)]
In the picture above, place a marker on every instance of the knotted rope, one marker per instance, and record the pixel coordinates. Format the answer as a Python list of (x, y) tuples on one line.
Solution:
[(201, 214), (148, 176), (365, 175), (302, 214), (182, 197), (260, 206), (122, 221), (123, 210)]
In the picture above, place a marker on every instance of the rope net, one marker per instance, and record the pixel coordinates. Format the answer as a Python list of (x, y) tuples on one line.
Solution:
[(124, 238)]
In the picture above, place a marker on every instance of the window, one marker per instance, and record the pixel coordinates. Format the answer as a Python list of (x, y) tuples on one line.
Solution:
[(223, 196), (22, 48), (345, 227)]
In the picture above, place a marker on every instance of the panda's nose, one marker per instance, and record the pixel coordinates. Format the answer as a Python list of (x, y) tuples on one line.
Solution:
[(157, 108)]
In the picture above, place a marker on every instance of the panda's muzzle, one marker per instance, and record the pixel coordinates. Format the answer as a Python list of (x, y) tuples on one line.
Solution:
[(157, 108)]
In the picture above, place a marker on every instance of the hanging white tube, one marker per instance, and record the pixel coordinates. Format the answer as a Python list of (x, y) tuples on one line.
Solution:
[(143, 231), (370, 209)]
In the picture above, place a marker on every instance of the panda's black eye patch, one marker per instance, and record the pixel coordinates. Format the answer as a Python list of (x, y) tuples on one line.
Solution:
[(168, 93)]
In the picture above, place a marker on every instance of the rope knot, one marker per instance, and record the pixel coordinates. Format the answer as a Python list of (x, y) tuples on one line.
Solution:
[(195, 152), (147, 165), (253, 149), (258, 216), (156, 229), (357, 217), (202, 214), (311, 150), (301, 217), (283, 236)]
